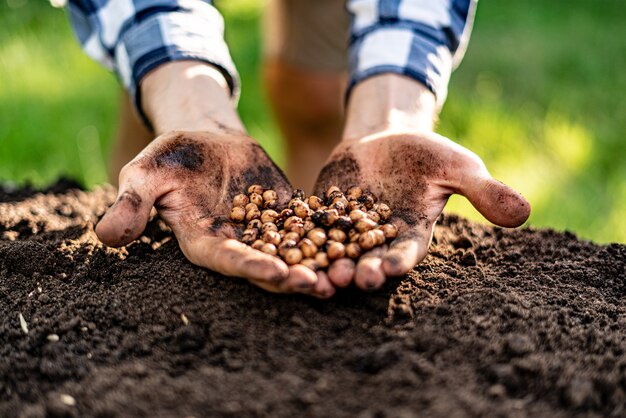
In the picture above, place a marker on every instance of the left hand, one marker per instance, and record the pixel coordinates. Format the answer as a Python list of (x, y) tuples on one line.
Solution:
[(415, 174)]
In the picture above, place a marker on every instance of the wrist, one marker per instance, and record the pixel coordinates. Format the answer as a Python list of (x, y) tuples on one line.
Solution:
[(389, 102), (188, 96)]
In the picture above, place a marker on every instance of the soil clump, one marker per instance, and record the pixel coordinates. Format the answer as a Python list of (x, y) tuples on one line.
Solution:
[(494, 322)]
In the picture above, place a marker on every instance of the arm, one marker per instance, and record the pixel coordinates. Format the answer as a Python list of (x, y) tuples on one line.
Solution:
[(390, 148), (172, 58)]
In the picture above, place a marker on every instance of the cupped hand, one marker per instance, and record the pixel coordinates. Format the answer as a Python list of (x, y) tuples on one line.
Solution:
[(414, 174), (191, 179)]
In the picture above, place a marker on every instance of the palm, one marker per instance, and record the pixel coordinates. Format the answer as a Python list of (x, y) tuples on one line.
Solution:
[(415, 174)]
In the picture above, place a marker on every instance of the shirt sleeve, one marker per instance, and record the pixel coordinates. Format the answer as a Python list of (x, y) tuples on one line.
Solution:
[(421, 39), (132, 37)]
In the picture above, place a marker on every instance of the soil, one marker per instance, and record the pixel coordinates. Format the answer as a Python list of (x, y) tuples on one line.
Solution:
[(494, 323)]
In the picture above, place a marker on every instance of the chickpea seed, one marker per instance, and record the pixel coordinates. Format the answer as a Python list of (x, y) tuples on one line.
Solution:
[(384, 211), (293, 256), (269, 226), (255, 188), (322, 259), (298, 194), (331, 190), (258, 244), (364, 224), (367, 240), (256, 199), (269, 216), (308, 248), (237, 214), (241, 200), (390, 231), (354, 193), (315, 202), (292, 236), (269, 195), (379, 236), (271, 237), (251, 206), (373, 215), (254, 224), (317, 236), (310, 263), (353, 250), (357, 214), (337, 235), (269, 248), (335, 250), (253, 214)]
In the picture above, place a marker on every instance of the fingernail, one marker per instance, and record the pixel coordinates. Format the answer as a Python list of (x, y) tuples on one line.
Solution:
[(304, 286)]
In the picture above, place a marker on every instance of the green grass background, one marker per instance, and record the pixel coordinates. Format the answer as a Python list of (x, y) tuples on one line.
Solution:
[(540, 96)]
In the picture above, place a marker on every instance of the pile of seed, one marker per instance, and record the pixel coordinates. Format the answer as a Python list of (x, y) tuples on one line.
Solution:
[(313, 231)]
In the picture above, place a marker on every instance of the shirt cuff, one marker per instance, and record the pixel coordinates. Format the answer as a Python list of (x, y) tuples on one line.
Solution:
[(411, 51), (174, 36)]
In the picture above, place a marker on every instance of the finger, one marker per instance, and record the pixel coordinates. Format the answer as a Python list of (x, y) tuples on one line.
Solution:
[(126, 219), (298, 281), (408, 249), (323, 288), (233, 258), (369, 274), (341, 272), (496, 201)]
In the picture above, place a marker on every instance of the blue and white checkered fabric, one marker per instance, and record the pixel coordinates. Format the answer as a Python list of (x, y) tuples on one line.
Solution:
[(417, 38), (421, 39)]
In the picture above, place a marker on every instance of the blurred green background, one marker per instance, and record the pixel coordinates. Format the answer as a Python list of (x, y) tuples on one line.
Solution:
[(540, 96)]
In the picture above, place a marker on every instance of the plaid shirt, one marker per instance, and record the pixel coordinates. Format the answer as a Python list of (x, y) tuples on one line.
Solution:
[(421, 39)]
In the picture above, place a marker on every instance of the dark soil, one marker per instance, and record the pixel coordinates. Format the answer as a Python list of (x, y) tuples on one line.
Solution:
[(494, 323)]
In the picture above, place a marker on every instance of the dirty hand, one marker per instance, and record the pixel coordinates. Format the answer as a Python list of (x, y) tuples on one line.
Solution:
[(191, 177), (415, 171)]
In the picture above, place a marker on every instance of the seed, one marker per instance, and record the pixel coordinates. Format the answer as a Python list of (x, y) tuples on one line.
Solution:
[(294, 201), (367, 240), (293, 256), (390, 231), (286, 245), (357, 214), (292, 220), (308, 248), (282, 233), (331, 190), (269, 226), (272, 237), (310, 263), (322, 259), (365, 224), (241, 200), (315, 202), (270, 204), (339, 207), (300, 209), (297, 228), (256, 199), (286, 213), (353, 250), (258, 244), (342, 200), (344, 223), (337, 235), (255, 188), (335, 250), (355, 237), (292, 236), (367, 200), (269, 195), (317, 236), (316, 217), (329, 217), (251, 206), (308, 225), (355, 205), (253, 214), (379, 236), (269, 216), (269, 248), (373, 215), (249, 236), (384, 211), (237, 214), (254, 224), (354, 193), (298, 194)]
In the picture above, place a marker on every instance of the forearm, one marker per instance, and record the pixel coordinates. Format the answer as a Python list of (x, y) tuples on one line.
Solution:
[(188, 95), (389, 102)]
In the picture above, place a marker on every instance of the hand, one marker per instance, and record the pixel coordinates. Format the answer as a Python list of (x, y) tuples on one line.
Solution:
[(414, 173), (191, 178)]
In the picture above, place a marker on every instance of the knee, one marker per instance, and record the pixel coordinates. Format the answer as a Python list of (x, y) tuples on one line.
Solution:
[(312, 101)]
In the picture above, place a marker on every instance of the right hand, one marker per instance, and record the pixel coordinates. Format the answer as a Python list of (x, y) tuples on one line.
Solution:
[(191, 178)]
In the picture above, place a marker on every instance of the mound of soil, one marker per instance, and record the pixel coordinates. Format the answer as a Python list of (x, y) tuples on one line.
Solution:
[(494, 323)]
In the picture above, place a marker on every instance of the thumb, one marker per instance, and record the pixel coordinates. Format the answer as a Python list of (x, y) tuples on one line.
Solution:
[(496, 201), (126, 219)]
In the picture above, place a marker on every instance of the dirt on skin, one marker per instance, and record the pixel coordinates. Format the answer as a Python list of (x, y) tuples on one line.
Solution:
[(515, 323)]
